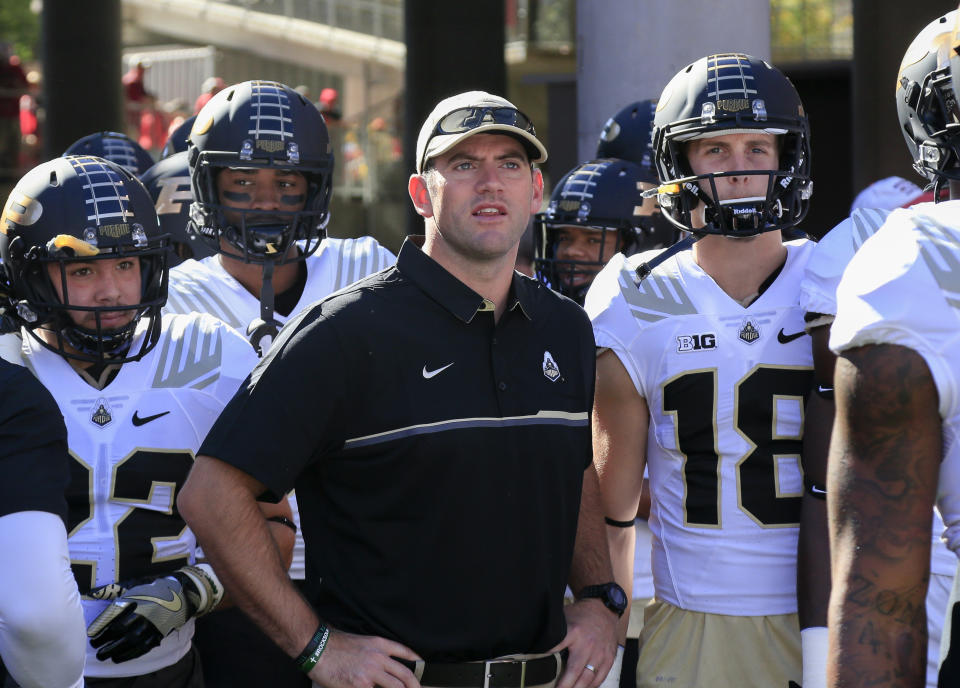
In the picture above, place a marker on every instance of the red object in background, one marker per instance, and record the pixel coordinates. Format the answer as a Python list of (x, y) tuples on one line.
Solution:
[(13, 82), (133, 87), (28, 115), (211, 86), (153, 130), (327, 103)]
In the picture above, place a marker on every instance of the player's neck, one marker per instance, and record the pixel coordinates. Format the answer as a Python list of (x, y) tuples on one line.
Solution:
[(740, 266), (250, 275), (97, 375)]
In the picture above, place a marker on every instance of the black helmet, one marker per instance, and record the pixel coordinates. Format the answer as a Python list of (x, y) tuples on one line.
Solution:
[(168, 183), (927, 104), (722, 94), (115, 147), (597, 195), (260, 124), (955, 54), (177, 140), (81, 208), (628, 135)]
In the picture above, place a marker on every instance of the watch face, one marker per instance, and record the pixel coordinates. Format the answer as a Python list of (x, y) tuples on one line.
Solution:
[(617, 596)]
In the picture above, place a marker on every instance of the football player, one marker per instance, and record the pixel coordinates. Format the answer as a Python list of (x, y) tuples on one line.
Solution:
[(260, 164), (115, 147), (701, 377), (595, 211), (832, 254), (894, 449), (86, 264)]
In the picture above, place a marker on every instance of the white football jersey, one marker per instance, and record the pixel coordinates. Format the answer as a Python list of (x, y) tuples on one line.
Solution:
[(642, 569), (818, 294), (903, 288), (725, 386), (206, 287), (132, 445), (818, 289)]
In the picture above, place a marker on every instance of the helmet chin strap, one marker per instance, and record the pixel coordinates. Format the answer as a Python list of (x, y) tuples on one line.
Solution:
[(264, 329), (644, 269)]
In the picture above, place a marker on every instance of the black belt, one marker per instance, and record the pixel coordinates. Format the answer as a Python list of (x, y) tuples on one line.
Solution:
[(497, 673)]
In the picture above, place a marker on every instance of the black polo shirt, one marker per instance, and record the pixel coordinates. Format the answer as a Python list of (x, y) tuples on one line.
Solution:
[(34, 460), (438, 457)]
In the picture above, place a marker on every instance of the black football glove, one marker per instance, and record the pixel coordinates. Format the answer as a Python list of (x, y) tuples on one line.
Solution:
[(793, 684), (143, 614)]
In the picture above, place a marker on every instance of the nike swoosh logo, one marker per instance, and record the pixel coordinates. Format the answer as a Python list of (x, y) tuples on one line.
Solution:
[(817, 490), (787, 338), (824, 390), (138, 421), (427, 374), (174, 604)]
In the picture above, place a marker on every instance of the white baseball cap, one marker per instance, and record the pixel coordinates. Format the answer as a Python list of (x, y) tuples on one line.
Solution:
[(474, 112)]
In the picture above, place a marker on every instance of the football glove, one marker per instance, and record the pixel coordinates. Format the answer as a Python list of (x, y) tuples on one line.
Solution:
[(144, 612)]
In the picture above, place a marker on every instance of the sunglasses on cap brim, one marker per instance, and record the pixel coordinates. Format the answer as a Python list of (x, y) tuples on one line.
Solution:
[(466, 119)]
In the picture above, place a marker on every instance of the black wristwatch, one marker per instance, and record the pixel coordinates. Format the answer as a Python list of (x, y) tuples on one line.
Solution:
[(611, 594)]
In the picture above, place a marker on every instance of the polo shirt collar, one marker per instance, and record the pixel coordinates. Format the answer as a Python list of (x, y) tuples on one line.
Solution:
[(462, 301)]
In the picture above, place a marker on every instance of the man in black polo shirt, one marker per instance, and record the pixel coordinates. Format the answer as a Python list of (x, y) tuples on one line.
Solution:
[(42, 638), (434, 419)]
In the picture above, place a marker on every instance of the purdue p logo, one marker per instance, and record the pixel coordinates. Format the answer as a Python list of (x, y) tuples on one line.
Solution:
[(102, 414), (696, 342), (749, 332)]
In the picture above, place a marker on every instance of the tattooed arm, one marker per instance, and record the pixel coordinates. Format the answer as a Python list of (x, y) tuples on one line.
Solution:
[(882, 478)]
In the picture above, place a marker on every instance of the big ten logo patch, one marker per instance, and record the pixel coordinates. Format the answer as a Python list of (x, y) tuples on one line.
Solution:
[(696, 342)]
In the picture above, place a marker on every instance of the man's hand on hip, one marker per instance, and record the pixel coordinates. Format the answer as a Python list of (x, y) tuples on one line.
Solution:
[(361, 661), (592, 642)]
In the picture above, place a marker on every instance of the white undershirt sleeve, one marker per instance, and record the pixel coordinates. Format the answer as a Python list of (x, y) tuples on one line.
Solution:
[(42, 633)]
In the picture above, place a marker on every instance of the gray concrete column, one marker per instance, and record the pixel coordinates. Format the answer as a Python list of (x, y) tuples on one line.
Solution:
[(627, 50)]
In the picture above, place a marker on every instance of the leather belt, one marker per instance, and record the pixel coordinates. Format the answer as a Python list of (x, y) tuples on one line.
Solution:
[(496, 673)]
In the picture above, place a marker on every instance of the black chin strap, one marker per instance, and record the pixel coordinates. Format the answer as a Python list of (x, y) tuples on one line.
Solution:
[(264, 329), (646, 268), (937, 187), (8, 324)]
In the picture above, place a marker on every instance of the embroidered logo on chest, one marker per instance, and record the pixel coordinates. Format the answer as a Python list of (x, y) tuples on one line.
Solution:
[(550, 369), (102, 413), (696, 342), (749, 332)]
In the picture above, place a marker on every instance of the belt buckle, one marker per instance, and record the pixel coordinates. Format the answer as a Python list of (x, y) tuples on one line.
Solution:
[(487, 675)]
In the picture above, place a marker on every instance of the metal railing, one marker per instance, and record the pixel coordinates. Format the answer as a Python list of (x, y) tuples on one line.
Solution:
[(380, 18)]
